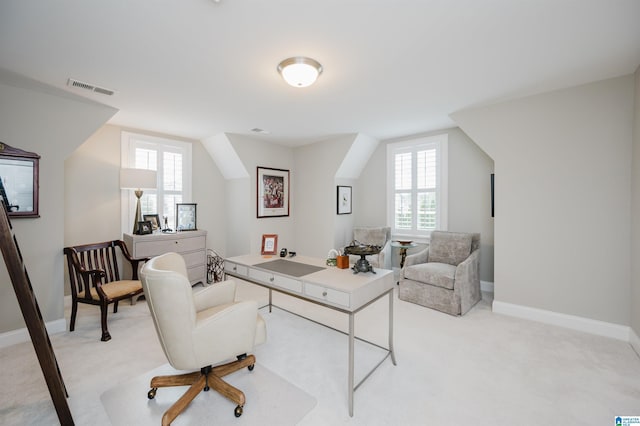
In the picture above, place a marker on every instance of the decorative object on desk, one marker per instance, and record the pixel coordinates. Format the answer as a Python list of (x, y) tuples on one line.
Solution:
[(145, 227), (342, 261), (19, 174), (403, 242), (138, 179), (344, 200), (362, 250), (154, 219), (331, 257), (186, 217), (269, 244), (166, 225), (273, 192), (215, 267), (283, 252)]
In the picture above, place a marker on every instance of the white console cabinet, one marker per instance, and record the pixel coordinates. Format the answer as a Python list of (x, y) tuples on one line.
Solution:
[(192, 245)]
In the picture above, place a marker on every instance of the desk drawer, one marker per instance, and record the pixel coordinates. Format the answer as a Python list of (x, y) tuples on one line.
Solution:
[(178, 245), (234, 268), (327, 294), (276, 280)]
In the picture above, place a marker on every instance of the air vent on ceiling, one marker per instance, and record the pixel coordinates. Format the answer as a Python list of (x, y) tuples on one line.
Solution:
[(72, 82)]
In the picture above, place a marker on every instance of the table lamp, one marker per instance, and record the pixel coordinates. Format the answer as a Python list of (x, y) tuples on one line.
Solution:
[(137, 179)]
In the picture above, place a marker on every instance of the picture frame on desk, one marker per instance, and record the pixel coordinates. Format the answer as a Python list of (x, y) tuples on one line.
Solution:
[(154, 219), (186, 217), (269, 244), (145, 227)]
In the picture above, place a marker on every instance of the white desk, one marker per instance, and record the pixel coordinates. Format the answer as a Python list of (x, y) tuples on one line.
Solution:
[(338, 289)]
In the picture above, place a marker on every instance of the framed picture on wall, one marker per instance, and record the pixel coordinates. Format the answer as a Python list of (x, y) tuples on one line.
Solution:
[(344, 200), (273, 192)]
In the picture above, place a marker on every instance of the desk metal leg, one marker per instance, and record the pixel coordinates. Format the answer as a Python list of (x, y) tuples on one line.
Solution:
[(351, 348), (391, 351)]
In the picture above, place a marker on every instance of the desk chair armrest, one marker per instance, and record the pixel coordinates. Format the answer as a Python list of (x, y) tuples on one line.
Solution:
[(233, 323), (216, 294)]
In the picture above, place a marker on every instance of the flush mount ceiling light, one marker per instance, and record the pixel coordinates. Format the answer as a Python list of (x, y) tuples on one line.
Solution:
[(300, 71)]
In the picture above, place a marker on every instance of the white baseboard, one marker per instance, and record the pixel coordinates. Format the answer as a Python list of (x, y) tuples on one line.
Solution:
[(486, 286), (634, 340), (22, 335), (600, 328)]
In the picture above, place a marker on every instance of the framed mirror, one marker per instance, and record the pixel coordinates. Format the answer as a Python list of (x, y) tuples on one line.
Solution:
[(19, 181)]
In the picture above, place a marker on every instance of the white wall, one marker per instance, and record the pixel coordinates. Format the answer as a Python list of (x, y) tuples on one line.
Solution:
[(253, 153), (563, 174), (469, 193), (51, 123), (635, 213)]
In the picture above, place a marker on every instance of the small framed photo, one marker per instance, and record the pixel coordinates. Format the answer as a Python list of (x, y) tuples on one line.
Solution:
[(273, 192), (144, 227), (154, 219), (269, 244), (344, 200), (186, 217)]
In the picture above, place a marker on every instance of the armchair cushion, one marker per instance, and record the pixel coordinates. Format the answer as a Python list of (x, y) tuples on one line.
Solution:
[(449, 247), (434, 273)]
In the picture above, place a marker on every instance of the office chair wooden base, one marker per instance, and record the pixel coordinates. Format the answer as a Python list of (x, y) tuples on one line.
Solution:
[(207, 377)]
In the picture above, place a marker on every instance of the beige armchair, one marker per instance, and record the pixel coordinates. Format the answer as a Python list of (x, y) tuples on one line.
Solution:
[(379, 236), (199, 329), (444, 276)]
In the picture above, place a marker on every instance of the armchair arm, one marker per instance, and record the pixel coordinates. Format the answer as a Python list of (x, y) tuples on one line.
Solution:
[(419, 257), (467, 280), (217, 294), (234, 328), (135, 263)]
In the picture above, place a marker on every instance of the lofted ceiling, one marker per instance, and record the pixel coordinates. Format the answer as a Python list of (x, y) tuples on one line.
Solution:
[(197, 68)]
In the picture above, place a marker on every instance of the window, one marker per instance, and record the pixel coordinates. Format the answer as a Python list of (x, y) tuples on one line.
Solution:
[(172, 161), (416, 182)]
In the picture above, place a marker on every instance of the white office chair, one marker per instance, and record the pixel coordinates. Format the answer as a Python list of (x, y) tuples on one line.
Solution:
[(198, 330)]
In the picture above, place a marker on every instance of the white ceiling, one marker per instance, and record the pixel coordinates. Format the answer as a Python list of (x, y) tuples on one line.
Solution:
[(195, 68)]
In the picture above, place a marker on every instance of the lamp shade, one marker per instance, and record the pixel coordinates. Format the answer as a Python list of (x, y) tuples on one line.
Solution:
[(138, 179), (300, 71)]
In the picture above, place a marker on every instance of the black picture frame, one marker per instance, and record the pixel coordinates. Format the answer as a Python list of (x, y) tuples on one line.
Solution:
[(344, 200), (19, 178), (154, 219), (186, 218), (493, 180), (145, 227), (272, 198)]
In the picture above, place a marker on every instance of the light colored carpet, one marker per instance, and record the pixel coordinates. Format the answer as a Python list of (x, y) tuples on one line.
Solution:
[(271, 400)]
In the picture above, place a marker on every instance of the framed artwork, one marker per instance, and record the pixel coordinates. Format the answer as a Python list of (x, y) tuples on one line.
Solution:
[(154, 219), (493, 183), (19, 181), (144, 227), (269, 244), (186, 217), (344, 200), (273, 192)]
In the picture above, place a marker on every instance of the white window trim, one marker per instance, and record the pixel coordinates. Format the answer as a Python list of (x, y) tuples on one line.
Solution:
[(442, 177), (127, 152)]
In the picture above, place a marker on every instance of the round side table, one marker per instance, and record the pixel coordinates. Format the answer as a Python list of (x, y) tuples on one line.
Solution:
[(403, 250)]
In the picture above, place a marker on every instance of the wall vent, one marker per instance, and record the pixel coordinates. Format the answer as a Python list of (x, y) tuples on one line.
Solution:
[(72, 82)]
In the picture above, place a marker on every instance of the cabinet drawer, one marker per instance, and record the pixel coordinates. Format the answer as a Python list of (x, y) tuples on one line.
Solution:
[(196, 274), (235, 269), (178, 245), (195, 258), (327, 294)]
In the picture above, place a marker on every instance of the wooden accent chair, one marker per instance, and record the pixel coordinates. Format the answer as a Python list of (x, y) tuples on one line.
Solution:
[(199, 329), (94, 277)]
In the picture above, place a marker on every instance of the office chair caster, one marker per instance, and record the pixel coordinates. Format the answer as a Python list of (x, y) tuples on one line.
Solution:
[(238, 411), (152, 393), (251, 367)]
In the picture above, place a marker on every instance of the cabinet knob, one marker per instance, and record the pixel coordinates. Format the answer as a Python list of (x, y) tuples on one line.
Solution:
[(235, 268), (271, 279), (324, 293)]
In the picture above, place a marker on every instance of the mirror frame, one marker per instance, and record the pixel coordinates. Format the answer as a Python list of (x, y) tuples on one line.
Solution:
[(10, 153)]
